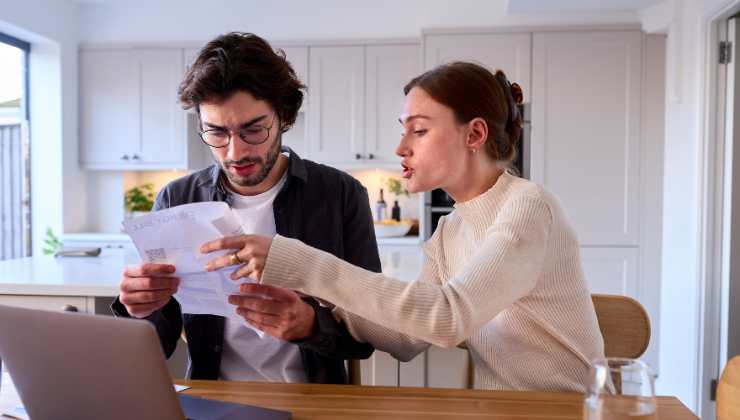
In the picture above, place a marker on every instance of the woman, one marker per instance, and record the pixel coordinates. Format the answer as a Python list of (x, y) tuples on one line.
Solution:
[(502, 272)]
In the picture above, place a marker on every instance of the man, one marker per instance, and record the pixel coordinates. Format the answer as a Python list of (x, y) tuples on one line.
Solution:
[(246, 96)]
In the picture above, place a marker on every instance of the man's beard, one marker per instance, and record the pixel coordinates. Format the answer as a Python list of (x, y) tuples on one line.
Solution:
[(266, 166)]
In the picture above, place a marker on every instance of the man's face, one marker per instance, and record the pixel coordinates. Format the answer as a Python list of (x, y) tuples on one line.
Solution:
[(245, 165)]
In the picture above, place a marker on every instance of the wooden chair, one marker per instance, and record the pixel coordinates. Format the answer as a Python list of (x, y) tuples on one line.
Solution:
[(728, 391), (624, 324), (354, 372)]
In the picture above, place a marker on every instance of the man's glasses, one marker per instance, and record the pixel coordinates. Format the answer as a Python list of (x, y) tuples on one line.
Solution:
[(254, 134)]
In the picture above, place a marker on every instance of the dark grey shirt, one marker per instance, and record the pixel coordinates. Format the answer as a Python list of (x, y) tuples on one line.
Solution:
[(319, 205)]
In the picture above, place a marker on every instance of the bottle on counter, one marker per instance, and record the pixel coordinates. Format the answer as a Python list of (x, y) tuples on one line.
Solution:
[(396, 211), (380, 208)]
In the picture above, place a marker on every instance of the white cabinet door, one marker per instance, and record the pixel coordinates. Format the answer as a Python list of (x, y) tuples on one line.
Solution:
[(381, 369), (189, 56), (585, 130), (612, 271), (297, 137), (388, 69), (130, 116), (163, 139), (109, 107), (446, 368), (298, 59), (510, 52), (337, 114)]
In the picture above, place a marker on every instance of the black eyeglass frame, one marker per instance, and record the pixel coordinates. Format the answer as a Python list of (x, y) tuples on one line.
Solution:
[(267, 129)]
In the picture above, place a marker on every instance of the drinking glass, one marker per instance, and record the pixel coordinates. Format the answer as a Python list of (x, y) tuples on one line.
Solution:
[(620, 389)]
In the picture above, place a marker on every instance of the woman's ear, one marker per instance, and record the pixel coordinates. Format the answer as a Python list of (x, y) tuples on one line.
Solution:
[(477, 134)]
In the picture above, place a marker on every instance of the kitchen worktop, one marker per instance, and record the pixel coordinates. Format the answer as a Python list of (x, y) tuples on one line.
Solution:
[(100, 276), (65, 276), (123, 239)]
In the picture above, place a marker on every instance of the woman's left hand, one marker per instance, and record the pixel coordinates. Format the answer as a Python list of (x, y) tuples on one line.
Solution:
[(250, 251)]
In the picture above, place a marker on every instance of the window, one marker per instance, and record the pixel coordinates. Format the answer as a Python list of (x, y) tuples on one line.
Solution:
[(15, 165)]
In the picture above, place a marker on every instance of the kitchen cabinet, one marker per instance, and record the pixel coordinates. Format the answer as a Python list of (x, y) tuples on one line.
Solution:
[(356, 97), (130, 117), (585, 144), (337, 116), (297, 137), (388, 68), (611, 270), (510, 52)]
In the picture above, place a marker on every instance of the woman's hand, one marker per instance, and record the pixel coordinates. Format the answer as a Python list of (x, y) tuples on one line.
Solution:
[(250, 251), (277, 311)]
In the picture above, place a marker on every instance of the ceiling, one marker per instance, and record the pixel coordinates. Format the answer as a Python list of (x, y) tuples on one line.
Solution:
[(524, 6), (554, 6)]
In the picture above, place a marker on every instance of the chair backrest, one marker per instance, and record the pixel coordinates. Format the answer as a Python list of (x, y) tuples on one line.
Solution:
[(624, 324), (728, 391)]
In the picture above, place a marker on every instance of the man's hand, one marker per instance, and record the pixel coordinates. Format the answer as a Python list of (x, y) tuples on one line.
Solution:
[(147, 288), (277, 311), (250, 251)]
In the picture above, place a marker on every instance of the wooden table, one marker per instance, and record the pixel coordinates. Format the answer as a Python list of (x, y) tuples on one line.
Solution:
[(365, 402)]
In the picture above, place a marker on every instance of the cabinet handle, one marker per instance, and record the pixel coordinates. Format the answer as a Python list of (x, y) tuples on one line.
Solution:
[(371, 156), (358, 156), (135, 157), (69, 308), (124, 157)]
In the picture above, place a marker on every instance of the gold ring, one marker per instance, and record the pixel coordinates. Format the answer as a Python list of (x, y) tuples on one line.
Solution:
[(234, 259)]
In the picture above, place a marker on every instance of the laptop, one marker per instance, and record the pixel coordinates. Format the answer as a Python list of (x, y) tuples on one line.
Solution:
[(69, 365)]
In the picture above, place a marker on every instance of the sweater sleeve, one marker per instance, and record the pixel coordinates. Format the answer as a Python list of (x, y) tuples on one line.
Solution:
[(401, 346), (506, 268)]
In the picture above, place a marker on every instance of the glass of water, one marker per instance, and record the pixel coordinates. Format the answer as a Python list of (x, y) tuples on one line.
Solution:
[(620, 389)]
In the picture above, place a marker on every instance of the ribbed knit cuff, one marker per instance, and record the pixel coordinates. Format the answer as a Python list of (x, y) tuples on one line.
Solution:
[(284, 265)]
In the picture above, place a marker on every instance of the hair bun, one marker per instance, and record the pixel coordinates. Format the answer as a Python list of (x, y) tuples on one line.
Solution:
[(516, 93)]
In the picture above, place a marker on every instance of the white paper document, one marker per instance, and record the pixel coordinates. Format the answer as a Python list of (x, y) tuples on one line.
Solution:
[(174, 236)]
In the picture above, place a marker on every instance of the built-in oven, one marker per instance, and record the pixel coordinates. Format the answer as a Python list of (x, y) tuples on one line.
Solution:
[(438, 203)]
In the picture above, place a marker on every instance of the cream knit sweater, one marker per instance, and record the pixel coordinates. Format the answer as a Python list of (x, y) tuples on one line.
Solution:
[(502, 273)]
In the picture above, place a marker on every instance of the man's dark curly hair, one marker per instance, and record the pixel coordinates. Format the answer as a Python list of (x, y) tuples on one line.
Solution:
[(240, 61)]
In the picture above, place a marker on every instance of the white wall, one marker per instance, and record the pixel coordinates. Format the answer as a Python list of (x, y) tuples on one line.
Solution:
[(57, 183), (681, 348), (177, 21)]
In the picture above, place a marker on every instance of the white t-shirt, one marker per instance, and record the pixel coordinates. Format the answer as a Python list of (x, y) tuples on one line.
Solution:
[(246, 356)]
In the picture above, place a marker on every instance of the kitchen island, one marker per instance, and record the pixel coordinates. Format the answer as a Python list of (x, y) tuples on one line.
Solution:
[(84, 284)]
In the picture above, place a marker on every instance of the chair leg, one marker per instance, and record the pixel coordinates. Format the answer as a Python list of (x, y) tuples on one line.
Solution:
[(354, 372), (470, 371)]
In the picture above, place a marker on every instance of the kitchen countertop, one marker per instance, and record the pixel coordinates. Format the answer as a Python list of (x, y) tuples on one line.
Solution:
[(100, 276), (122, 238), (65, 276)]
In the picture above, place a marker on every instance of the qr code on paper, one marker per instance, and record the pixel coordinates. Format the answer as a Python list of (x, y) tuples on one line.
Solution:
[(155, 255)]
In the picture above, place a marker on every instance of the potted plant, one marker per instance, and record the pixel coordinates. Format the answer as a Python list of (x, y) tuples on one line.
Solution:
[(139, 200), (51, 242)]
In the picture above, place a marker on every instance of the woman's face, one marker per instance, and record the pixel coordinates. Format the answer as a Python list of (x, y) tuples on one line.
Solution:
[(432, 145)]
